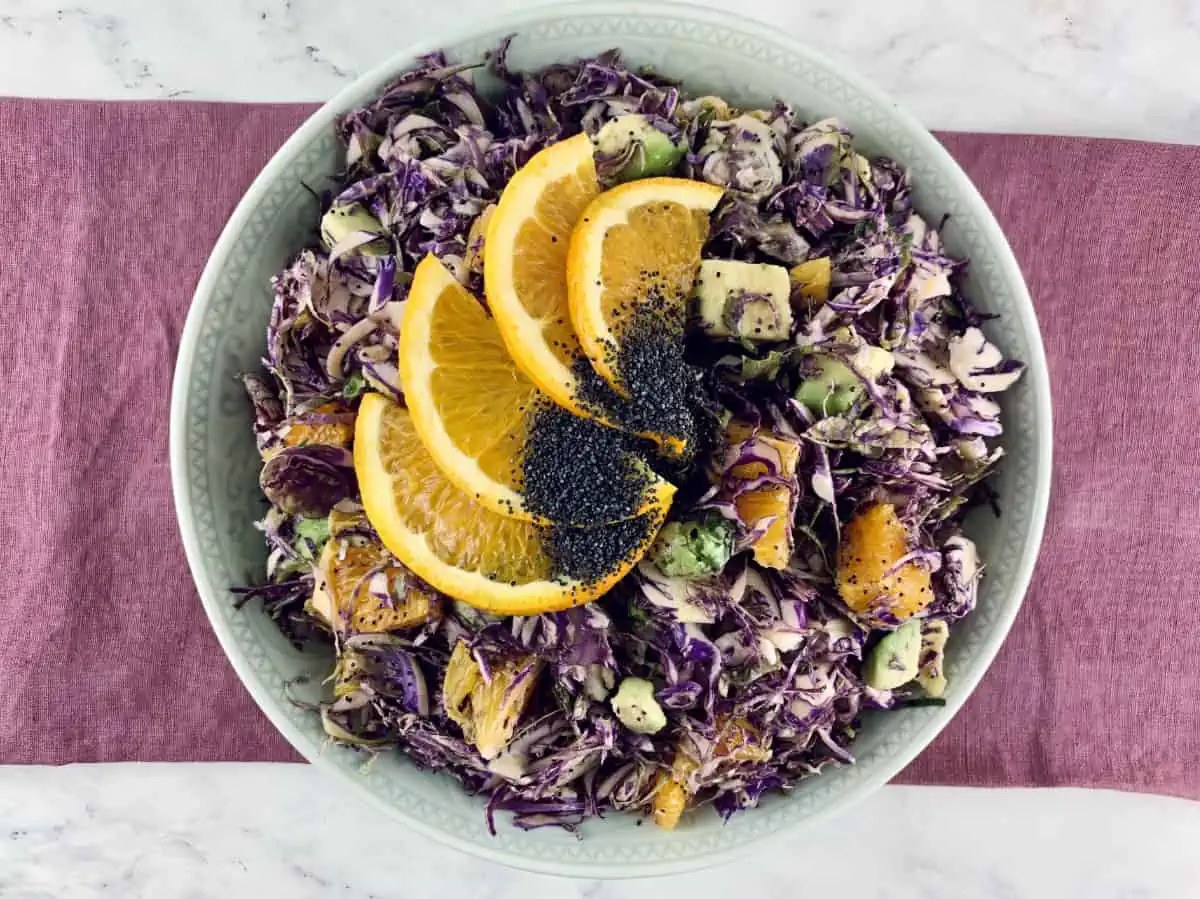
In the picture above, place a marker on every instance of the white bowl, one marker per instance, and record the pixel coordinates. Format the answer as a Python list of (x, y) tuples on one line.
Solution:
[(214, 464)]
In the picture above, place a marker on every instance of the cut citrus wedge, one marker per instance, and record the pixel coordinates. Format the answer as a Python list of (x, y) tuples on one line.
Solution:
[(633, 254), (773, 548), (525, 264), (362, 588), (493, 433), (502, 565), (872, 577)]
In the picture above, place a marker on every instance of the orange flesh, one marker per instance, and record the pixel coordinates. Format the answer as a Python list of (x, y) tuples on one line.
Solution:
[(872, 543)]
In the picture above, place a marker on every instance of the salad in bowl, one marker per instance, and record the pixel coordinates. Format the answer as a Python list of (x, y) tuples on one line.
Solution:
[(617, 440)]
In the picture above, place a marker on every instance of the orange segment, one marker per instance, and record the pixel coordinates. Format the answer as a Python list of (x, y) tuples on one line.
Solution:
[(872, 543), (811, 280), (525, 264), (307, 429), (478, 414), (350, 581), (670, 800), (774, 548), (635, 252), (502, 565)]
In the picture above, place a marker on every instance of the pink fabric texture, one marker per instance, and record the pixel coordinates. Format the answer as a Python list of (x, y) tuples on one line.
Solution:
[(107, 214)]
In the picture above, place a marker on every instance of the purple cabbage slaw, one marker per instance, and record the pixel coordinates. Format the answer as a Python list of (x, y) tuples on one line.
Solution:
[(775, 649)]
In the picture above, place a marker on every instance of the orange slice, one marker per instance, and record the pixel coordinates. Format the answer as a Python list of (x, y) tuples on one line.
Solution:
[(469, 403), (634, 253), (476, 411), (499, 564), (525, 264)]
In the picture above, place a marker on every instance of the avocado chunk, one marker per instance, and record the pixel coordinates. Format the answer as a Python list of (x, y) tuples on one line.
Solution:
[(693, 548), (932, 674), (834, 387), (743, 300), (635, 706), (646, 151), (342, 220), (894, 660)]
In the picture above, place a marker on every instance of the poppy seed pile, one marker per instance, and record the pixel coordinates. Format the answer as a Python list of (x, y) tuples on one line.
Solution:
[(590, 554), (577, 472), (589, 480), (663, 388)]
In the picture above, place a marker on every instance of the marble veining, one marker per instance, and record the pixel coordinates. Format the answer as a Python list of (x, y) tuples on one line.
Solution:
[(238, 830), (1096, 67)]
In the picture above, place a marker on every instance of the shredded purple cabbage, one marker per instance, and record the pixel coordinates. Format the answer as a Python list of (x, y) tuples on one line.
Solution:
[(773, 654)]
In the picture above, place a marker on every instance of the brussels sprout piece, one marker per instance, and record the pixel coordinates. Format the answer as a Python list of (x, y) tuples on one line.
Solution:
[(343, 220), (820, 150), (337, 731), (631, 147), (308, 480), (740, 154), (707, 109), (348, 672)]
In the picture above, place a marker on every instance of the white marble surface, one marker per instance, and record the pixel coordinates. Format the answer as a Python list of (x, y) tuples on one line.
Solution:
[(184, 831), (1099, 67)]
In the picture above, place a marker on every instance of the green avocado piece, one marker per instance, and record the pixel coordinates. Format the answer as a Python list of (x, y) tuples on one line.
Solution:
[(654, 153), (932, 674), (832, 390), (635, 706), (835, 387), (896, 658), (692, 548), (313, 529)]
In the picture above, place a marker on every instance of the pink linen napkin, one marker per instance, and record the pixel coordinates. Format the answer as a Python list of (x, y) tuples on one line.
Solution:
[(107, 214)]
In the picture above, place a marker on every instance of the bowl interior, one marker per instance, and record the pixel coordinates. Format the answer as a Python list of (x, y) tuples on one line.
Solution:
[(215, 465)]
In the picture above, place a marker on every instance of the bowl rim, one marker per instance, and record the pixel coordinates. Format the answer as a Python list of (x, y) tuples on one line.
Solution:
[(362, 88)]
